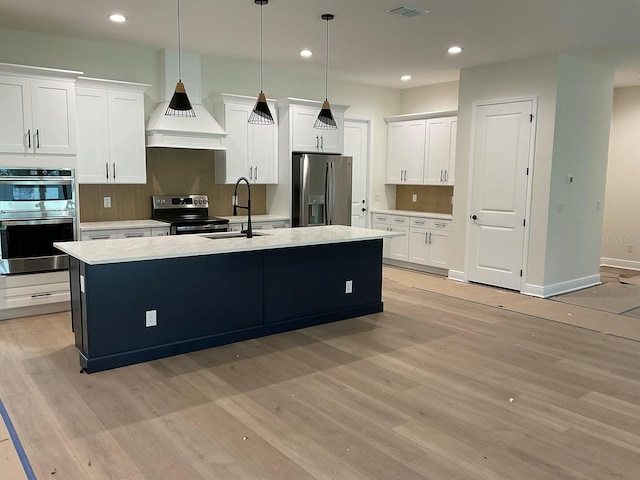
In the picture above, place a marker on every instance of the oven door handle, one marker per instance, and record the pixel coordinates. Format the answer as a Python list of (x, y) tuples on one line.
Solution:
[(201, 228), (36, 221)]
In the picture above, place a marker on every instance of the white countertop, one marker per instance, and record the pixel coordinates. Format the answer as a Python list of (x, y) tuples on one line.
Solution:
[(96, 252), (254, 218), (122, 224), (407, 213)]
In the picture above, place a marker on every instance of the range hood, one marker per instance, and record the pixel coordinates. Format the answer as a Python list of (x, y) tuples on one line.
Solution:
[(200, 132)]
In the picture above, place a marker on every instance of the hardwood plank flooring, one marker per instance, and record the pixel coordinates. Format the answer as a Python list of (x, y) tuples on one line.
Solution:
[(450, 382)]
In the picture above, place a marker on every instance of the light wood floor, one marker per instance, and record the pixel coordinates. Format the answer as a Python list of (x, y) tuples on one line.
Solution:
[(435, 387)]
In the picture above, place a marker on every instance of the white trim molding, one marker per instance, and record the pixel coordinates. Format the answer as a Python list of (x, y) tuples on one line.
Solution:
[(457, 276), (620, 263), (547, 291)]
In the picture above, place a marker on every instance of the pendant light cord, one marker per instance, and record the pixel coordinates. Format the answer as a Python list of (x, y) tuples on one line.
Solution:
[(179, 47), (261, 61), (326, 66)]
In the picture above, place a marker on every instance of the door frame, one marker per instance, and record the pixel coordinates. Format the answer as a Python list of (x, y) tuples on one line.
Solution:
[(530, 164), (370, 124)]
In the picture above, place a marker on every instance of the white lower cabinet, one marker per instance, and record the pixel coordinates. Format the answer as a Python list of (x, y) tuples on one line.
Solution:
[(32, 290), (258, 225), (425, 240), (102, 234)]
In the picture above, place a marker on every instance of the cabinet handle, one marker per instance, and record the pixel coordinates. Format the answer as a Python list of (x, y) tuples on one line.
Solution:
[(133, 235), (429, 238), (37, 138), (321, 142), (37, 295), (317, 142), (426, 237), (106, 166), (446, 175), (441, 176), (114, 171), (29, 137), (255, 173), (100, 237), (250, 173)]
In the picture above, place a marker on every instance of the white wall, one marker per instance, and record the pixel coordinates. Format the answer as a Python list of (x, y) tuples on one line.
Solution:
[(622, 200), (580, 149), (441, 97), (219, 75), (521, 78)]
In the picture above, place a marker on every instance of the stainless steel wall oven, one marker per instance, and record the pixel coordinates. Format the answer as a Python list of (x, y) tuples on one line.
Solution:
[(37, 208)]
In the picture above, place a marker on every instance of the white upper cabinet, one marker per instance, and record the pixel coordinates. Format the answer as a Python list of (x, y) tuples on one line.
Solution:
[(111, 132), (300, 117), (306, 138), (252, 150), (438, 159), (405, 152), (38, 111), (421, 150)]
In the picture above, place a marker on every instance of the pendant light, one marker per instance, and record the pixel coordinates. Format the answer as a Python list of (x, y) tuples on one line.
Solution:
[(325, 120), (180, 106), (261, 115)]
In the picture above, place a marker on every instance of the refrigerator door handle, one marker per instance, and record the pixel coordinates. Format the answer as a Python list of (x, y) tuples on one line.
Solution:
[(326, 194)]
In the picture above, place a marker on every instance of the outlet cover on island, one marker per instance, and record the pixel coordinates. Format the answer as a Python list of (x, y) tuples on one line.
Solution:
[(414, 198), (107, 202), (348, 286), (151, 318)]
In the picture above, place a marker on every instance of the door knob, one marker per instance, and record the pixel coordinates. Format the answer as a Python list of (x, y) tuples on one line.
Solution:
[(364, 209), (474, 217)]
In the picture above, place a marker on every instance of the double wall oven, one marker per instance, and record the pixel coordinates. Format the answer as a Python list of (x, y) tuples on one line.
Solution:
[(37, 208)]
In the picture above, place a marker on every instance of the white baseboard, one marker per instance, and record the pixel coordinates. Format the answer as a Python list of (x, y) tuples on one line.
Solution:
[(547, 291), (457, 275), (620, 263)]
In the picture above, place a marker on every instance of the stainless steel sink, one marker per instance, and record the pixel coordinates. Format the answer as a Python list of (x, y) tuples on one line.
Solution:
[(221, 235)]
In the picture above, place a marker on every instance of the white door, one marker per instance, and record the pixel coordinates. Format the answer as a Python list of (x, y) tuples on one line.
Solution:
[(356, 145), (501, 149)]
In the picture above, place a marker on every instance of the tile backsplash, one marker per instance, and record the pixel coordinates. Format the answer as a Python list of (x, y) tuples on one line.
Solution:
[(429, 198), (169, 172)]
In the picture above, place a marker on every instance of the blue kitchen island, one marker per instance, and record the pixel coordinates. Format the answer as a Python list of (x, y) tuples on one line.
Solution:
[(135, 300)]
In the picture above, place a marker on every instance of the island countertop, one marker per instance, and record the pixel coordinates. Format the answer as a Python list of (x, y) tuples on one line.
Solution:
[(96, 252)]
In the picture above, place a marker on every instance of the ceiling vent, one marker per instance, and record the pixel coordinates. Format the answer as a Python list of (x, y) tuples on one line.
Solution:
[(407, 11)]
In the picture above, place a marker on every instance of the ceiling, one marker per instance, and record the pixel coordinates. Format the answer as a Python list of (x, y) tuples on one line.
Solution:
[(367, 45)]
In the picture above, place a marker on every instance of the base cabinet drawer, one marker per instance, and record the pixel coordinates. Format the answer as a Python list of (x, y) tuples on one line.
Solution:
[(34, 289)]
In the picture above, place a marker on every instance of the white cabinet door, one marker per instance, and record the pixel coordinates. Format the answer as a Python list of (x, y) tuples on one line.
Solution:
[(252, 150), (53, 113), (15, 115), (263, 148), (111, 143), (399, 246), (305, 138), (405, 152), (38, 116), (452, 151), (127, 154), (160, 231), (438, 144), (439, 249), (93, 135), (419, 246)]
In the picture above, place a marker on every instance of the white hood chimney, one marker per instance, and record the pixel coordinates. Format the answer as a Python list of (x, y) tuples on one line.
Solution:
[(199, 132)]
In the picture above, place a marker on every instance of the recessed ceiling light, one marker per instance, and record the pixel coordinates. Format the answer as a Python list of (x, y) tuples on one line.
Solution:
[(305, 53), (117, 18), (405, 78), (454, 50)]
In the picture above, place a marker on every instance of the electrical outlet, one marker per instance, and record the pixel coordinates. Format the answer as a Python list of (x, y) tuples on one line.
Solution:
[(348, 286), (151, 318), (107, 202), (414, 198), (629, 248)]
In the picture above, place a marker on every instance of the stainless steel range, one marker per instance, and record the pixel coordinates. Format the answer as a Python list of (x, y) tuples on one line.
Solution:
[(186, 214), (37, 208)]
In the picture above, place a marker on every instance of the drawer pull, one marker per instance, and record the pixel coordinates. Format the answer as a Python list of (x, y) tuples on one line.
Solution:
[(40, 295)]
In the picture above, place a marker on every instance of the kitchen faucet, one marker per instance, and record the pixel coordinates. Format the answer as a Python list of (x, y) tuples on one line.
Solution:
[(248, 231)]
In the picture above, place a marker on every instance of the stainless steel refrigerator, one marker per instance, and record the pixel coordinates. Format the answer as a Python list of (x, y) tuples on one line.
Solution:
[(321, 190)]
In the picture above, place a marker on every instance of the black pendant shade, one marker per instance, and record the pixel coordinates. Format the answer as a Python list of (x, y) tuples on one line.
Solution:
[(180, 106), (325, 120), (261, 115)]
